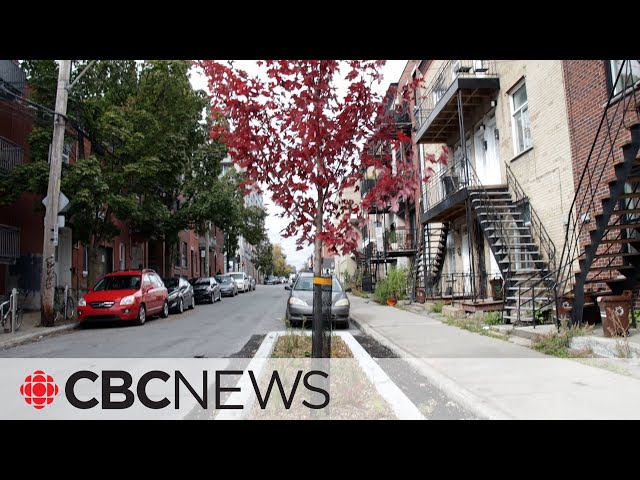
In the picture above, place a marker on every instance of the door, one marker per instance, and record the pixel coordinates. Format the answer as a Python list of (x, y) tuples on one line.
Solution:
[(487, 159), (466, 262), (108, 260)]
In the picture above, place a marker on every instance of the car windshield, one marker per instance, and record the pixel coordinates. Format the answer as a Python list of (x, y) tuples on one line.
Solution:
[(305, 284), (119, 282), (224, 279), (204, 280), (170, 282), (237, 276)]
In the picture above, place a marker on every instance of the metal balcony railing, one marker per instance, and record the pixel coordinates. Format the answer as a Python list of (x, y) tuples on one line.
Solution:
[(400, 240), (445, 183), (448, 72), (459, 285), (12, 76), (11, 154), (9, 242)]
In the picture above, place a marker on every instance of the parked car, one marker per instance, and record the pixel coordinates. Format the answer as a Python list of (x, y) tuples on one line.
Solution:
[(206, 289), (242, 281), (180, 294), (252, 283), (300, 302), (131, 295), (228, 287), (270, 281)]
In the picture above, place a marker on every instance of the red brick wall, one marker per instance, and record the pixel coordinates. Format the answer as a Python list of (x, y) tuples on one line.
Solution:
[(587, 91)]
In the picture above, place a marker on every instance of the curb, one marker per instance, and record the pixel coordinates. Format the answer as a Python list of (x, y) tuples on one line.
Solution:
[(464, 397), (403, 408), (45, 332)]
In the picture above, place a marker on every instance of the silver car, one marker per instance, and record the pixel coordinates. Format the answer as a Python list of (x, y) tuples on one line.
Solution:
[(300, 302)]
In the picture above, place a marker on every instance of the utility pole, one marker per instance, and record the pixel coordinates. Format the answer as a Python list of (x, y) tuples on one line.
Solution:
[(50, 237)]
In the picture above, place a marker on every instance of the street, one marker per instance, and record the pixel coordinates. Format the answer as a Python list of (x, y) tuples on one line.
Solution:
[(211, 330)]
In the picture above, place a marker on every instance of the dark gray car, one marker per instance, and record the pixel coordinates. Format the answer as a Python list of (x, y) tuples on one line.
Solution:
[(300, 302), (206, 289), (228, 286), (180, 294)]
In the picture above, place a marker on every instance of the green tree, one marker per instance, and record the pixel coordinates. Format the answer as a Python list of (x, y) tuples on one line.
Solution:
[(280, 266), (263, 256)]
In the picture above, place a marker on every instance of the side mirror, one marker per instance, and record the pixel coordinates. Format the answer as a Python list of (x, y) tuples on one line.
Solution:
[(147, 288), (348, 290), (287, 287)]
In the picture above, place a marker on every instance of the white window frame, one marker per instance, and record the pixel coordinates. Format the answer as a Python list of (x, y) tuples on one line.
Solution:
[(514, 113), (613, 71), (123, 256)]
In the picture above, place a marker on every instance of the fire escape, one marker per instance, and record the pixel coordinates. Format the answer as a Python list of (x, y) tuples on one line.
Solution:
[(601, 255), (385, 243), (458, 96)]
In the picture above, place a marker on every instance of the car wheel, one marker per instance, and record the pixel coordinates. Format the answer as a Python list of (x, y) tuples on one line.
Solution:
[(142, 315), (181, 306), (193, 303), (213, 297), (165, 310)]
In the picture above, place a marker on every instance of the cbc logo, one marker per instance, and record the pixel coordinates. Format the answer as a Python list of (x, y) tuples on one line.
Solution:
[(38, 389)]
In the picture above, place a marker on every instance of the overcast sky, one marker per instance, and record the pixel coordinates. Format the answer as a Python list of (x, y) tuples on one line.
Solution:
[(392, 71)]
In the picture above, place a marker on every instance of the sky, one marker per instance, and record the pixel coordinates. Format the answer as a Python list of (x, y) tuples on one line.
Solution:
[(274, 225)]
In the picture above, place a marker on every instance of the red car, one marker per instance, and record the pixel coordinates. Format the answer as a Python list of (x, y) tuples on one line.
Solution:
[(131, 295)]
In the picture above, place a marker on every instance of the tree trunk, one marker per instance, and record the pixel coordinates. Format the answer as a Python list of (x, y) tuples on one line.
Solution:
[(95, 267)]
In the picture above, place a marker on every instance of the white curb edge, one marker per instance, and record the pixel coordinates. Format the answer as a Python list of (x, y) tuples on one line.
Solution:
[(397, 400)]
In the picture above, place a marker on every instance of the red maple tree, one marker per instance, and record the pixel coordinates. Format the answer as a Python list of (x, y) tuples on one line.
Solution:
[(293, 131)]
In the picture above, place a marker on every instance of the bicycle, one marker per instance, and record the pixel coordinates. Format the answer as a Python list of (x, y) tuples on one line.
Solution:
[(64, 304), (16, 300)]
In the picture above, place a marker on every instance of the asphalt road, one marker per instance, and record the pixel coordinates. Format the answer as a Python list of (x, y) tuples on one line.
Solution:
[(211, 330)]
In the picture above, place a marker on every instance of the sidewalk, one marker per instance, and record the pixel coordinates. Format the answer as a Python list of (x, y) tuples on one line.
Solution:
[(30, 331), (494, 378)]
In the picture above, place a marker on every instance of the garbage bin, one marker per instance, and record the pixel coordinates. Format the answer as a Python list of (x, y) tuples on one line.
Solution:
[(421, 296), (566, 307), (614, 311), (496, 288)]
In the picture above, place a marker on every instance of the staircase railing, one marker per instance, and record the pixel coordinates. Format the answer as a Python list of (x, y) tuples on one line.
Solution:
[(538, 231), (492, 218), (620, 109)]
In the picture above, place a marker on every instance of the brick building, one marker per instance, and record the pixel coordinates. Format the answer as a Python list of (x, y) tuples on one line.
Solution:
[(21, 224)]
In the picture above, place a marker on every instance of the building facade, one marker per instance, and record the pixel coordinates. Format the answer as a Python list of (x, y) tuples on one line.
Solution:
[(22, 222)]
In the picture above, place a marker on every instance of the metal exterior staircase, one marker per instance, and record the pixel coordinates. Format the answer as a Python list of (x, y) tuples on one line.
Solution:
[(523, 252), (435, 245), (612, 256)]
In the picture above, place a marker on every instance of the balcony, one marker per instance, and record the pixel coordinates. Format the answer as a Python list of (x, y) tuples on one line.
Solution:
[(437, 113), (445, 193), (9, 244), (401, 242), (12, 77), (11, 155)]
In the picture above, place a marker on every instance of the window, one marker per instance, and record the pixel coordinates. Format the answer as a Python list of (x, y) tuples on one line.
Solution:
[(184, 254), (520, 113), (123, 253), (524, 208), (629, 76), (156, 281)]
